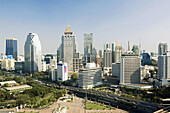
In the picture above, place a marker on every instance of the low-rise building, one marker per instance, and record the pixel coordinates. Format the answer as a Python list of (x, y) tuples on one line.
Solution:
[(107, 71), (53, 74), (90, 76), (20, 88), (7, 82), (116, 70), (19, 66), (8, 64)]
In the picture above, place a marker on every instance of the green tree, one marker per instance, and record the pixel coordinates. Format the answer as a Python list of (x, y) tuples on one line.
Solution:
[(23, 99), (6, 85), (18, 79), (74, 76)]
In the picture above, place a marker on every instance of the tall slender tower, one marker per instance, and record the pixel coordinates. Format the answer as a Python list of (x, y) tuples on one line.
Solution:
[(11, 47), (32, 50), (128, 46)]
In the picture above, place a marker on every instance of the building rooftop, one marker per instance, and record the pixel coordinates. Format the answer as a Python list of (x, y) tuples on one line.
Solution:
[(17, 87), (8, 82), (68, 30), (141, 85), (11, 39)]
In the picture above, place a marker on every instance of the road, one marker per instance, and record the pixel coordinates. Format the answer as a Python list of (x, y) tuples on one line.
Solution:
[(114, 100)]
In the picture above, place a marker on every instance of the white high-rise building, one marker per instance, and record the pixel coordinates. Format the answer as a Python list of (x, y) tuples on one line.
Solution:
[(62, 72), (164, 68), (32, 50), (130, 69), (162, 48)]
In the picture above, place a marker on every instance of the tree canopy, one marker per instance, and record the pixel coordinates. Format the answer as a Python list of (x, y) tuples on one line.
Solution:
[(74, 76)]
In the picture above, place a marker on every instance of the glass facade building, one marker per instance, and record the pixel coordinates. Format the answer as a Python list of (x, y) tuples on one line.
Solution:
[(11, 47), (32, 50)]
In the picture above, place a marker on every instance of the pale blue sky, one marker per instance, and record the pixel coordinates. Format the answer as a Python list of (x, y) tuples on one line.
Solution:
[(109, 20)]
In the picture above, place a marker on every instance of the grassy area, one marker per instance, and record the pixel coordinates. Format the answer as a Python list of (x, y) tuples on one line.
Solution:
[(69, 100), (27, 112), (45, 97), (95, 106)]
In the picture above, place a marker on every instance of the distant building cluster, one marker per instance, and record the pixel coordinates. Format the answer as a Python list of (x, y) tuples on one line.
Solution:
[(132, 66)]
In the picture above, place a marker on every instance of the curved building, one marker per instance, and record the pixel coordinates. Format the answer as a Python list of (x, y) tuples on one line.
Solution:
[(32, 50)]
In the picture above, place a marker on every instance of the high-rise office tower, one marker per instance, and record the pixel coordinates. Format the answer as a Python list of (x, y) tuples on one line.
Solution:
[(107, 58), (112, 47), (32, 50), (59, 53), (106, 46), (89, 50), (118, 53), (162, 48), (135, 49), (11, 47), (164, 66), (68, 47), (88, 43), (130, 69), (68, 50)]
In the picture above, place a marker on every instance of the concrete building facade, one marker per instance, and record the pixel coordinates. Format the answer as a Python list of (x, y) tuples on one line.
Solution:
[(62, 71), (162, 48), (130, 69), (164, 68), (90, 76)]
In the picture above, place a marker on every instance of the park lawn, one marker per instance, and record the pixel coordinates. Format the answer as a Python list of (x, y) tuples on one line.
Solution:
[(27, 112), (95, 106)]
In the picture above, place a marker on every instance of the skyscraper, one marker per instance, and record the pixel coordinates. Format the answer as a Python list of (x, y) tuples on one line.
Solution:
[(88, 43), (68, 50), (32, 50), (107, 58), (11, 47), (135, 49), (113, 51), (106, 46), (89, 50), (118, 53), (130, 69), (162, 48), (164, 66)]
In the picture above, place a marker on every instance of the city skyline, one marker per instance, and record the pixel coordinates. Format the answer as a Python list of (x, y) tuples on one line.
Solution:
[(109, 21)]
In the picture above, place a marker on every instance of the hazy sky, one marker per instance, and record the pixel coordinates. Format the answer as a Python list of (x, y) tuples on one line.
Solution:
[(109, 20)]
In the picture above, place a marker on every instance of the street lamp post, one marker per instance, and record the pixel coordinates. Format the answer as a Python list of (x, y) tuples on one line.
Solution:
[(85, 99)]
